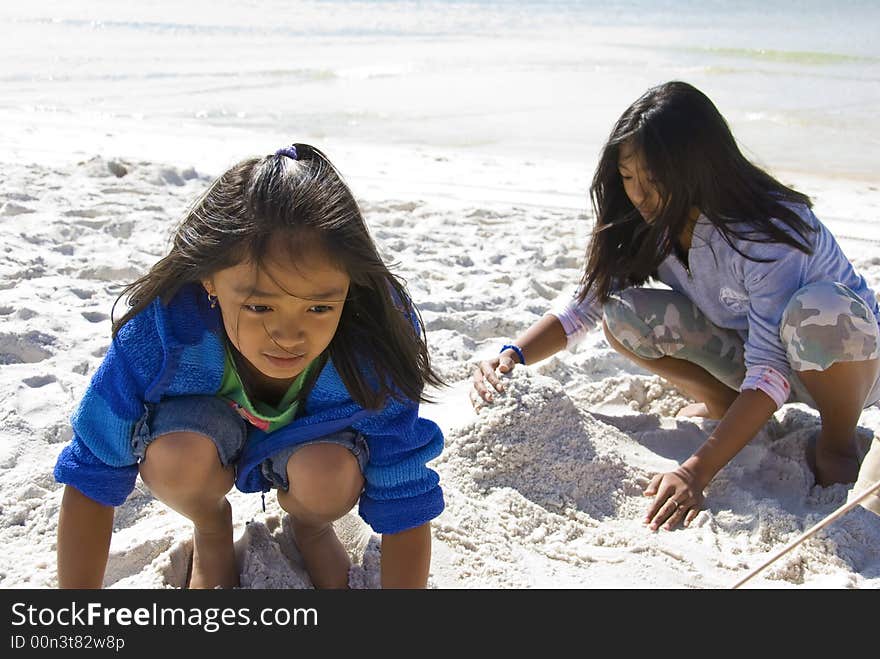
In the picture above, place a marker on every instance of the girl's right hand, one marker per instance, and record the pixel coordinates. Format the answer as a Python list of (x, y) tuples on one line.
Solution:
[(486, 378)]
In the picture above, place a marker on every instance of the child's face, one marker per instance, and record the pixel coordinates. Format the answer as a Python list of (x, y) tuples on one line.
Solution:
[(638, 183), (282, 316)]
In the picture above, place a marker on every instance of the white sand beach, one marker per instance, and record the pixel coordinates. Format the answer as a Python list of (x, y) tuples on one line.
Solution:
[(543, 488)]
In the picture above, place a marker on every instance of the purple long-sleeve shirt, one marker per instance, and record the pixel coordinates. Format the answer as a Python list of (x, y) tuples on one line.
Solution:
[(743, 295)]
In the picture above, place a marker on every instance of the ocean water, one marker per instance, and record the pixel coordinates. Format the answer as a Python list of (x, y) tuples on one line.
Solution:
[(798, 81)]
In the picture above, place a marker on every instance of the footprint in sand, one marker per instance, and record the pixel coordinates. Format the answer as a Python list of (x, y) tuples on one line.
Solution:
[(20, 196), (478, 328), (109, 273), (82, 293), (38, 381), (171, 176), (117, 168), (120, 229), (130, 559), (542, 290), (27, 348), (86, 213), (10, 209)]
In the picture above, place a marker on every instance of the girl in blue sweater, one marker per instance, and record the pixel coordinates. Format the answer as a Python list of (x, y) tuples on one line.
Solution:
[(270, 348), (757, 304)]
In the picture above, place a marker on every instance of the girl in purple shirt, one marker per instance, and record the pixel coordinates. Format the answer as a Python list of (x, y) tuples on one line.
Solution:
[(756, 305)]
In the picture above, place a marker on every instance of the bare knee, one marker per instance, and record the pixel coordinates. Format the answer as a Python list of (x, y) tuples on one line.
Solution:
[(842, 387), (325, 483), (185, 464)]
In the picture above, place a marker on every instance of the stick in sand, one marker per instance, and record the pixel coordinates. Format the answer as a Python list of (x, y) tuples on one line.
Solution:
[(845, 508)]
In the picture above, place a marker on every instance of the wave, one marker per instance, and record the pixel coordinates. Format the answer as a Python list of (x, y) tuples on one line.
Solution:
[(413, 30), (300, 75), (809, 58)]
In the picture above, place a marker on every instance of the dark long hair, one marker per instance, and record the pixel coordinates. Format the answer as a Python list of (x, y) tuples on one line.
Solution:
[(693, 158), (376, 348)]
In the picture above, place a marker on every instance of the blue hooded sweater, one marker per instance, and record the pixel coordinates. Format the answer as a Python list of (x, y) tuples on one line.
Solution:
[(178, 350)]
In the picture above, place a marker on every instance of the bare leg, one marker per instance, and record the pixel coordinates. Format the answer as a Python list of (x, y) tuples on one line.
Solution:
[(325, 558), (84, 530), (184, 472), (325, 483), (713, 396), (839, 392)]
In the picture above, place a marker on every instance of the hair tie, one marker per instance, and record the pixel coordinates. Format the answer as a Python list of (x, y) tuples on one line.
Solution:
[(289, 151)]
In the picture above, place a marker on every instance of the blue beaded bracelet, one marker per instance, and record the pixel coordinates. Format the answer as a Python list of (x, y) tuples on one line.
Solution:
[(516, 349)]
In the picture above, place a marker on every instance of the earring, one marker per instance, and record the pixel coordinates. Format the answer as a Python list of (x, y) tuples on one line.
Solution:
[(212, 299)]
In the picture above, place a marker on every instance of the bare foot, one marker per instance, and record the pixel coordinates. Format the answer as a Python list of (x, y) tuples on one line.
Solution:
[(326, 560), (695, 410), (830, 466), (213, 562)]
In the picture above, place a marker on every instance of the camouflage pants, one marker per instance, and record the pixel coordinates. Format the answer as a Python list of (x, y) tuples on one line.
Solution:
[(822, 324)]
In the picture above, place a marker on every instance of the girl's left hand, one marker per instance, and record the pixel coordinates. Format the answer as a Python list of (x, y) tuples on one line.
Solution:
[(677, 498)]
